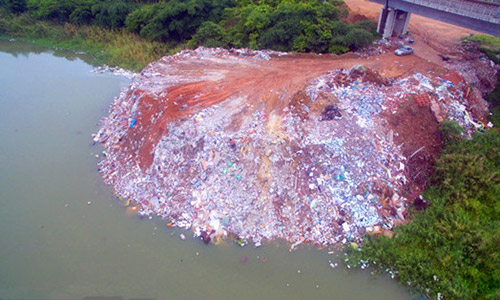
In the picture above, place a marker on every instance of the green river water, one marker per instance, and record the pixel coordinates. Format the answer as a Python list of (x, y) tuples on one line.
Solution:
[(54, 245)]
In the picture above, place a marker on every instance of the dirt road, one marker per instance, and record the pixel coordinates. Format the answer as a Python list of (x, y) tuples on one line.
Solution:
[(208, 81), (432, 36)]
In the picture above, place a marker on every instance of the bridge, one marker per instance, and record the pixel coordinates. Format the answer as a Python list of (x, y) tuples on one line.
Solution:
[(482, 16)]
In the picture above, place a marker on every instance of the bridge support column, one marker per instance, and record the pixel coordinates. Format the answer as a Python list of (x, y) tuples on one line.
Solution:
[(382, 19), (393, 22)]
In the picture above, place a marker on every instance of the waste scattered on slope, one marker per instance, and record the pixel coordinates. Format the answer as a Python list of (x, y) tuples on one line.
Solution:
[(318, 163), (115, 71)]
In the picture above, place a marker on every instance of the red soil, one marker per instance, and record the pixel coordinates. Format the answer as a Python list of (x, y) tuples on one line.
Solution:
[(179, 86)]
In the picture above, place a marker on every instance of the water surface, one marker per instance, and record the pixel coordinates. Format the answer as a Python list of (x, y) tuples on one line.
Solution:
[(54, 245)]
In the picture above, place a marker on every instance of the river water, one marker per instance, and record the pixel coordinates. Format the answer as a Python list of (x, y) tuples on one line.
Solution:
[(55, 245)]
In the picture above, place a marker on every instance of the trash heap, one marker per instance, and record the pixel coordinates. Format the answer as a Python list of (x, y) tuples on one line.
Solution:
[(113, 70), (322, 168)]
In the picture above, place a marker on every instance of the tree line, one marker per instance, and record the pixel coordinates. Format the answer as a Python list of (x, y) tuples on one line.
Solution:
[(284, 25)]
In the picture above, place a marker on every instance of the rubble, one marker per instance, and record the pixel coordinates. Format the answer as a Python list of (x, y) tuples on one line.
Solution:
[(319, 165), (114, 70)]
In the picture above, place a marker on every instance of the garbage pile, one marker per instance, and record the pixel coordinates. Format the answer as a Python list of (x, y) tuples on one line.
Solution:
[(114, 70), (321, 167)]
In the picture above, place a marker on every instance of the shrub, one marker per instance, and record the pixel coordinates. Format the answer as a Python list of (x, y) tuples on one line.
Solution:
[(15, 6), (175, 20), (111, 14), (137, 19), (81, 15), (369, 26), (450, 129), (453, 247), (357, 38), (209, 34), (52, 10)]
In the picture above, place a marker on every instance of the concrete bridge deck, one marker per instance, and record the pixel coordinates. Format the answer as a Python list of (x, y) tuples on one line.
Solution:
[(481, 16)]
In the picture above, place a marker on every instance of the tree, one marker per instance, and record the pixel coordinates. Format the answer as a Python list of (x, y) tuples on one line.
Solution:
[(211, 35), (111, 14), (139, 18), (52, 10), (16, 6), (82, 14)]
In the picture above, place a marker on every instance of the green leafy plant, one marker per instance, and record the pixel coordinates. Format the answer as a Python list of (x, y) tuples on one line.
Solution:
[(453, 247), (285, 25), (450, 129), (16, 6), (209, 34)]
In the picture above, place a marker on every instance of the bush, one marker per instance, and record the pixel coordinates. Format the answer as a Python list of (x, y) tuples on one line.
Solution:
[(175, 20), (494, 97), (137, 19), (15, 6), (52, 10), (81, 15), (495, 116), (357, 38), (111, 14), (450, 129), (453, 247), (369, 26), (209, 34)]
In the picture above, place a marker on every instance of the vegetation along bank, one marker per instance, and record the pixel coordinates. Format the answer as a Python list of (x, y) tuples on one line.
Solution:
[(452, 246), (131, 34)]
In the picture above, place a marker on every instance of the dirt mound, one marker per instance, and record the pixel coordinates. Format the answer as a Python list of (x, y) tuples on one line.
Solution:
[(272, 145)]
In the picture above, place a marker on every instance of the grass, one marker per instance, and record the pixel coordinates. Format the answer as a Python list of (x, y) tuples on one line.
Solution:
[(490, 45), (453, 247), (494, 99), (111, 47), (485, 40)]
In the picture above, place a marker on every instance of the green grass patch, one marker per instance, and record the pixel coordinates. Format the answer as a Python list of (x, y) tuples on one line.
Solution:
[(115, 47), (490, 45), (453, 247), (485, 40)]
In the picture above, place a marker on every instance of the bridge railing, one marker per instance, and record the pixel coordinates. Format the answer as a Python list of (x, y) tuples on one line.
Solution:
[(477, 10)]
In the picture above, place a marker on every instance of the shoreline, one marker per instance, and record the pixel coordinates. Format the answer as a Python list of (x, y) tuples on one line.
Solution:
[(106, 47)]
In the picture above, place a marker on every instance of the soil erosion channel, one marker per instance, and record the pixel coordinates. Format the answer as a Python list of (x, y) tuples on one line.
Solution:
[(268, 145)]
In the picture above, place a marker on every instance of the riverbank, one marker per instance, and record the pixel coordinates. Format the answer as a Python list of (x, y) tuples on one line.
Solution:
[(450, 248), (50, 104), (301, 26), (288, 156), (111, 47)]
